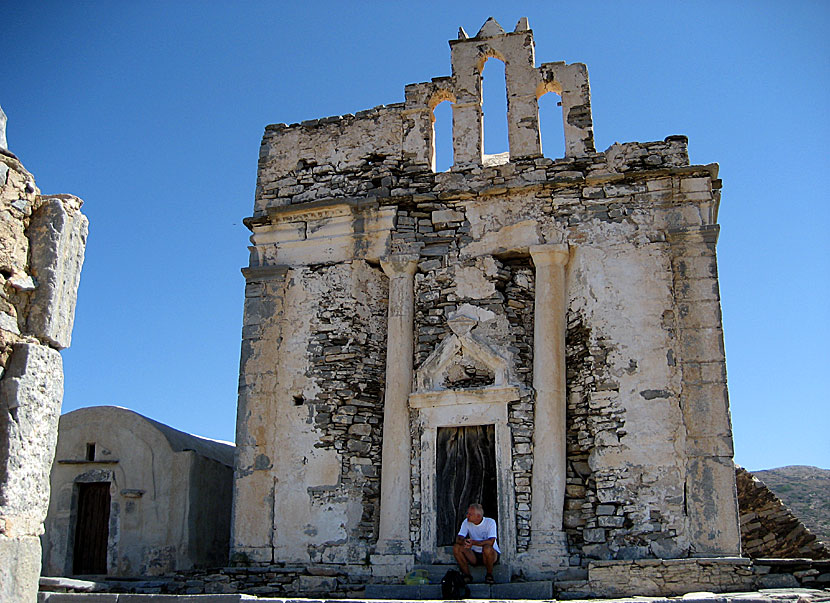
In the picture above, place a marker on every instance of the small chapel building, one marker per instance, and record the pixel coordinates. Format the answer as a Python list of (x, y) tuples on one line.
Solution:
[(541, 335), (134, 497)]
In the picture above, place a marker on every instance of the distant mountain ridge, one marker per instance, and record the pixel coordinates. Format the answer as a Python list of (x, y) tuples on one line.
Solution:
[(806, 491)]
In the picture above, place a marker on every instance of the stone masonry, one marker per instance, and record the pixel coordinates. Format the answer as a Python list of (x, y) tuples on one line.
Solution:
[(570, 303), (42, 241)]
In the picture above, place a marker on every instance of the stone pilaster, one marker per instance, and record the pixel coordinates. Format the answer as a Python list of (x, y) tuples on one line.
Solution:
[(549, 451), (395, 480), (711, 498), (252, 522)]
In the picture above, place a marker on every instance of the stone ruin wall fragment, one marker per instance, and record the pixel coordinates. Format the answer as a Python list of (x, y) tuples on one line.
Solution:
[(369, 270), (42, 241)]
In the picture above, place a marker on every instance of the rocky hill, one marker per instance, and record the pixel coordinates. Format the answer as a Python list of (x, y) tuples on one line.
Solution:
[(806, 491)]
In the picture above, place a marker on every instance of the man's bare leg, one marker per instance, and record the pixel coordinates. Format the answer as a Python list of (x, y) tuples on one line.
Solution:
[(489, 556), (463, 557)]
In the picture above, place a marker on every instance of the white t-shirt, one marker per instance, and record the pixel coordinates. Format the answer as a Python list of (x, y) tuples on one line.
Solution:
[(483, 531)]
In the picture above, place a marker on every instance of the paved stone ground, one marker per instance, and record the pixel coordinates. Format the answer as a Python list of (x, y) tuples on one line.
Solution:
[(797, 595)]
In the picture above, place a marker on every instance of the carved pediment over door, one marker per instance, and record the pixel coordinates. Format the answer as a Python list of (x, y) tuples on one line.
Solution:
[(440, 381)]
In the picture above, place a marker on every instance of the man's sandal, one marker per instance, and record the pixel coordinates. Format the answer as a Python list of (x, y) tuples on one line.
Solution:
[(488, 579), (467, 578)]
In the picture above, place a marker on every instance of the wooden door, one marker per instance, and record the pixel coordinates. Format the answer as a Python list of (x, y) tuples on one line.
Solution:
[(466, 474), (92, 528)]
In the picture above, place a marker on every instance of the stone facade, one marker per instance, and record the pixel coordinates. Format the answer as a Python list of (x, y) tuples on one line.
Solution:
[(571, 304), (42, 241), (164, 501)]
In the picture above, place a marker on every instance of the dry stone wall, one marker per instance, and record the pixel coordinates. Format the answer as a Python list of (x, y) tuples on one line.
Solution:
[(42, 241), (768, 527)]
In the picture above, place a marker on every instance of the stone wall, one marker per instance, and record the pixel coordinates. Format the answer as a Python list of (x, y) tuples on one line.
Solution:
[(653, 577), (768, 527), (42, 241)]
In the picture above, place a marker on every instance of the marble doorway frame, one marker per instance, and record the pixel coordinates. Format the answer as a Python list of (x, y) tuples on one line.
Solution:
[(439, 411)]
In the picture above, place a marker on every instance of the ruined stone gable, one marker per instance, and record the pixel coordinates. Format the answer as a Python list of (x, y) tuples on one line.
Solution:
[(566, 310)]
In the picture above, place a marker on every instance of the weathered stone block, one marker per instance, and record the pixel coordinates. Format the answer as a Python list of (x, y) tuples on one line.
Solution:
[(703, 314), (441, 217), (594, 535), (706, 409), (712, 506), (19, 569), (57, 240), (696, 267), (31, 393), (695, 185), (701, 345), (698, 289)]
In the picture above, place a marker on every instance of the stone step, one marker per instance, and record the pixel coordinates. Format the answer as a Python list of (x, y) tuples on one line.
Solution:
[(541, 589), (436, 572)]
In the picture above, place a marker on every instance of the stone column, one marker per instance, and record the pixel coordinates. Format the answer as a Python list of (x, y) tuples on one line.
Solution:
[(548, 484), (395, 480)]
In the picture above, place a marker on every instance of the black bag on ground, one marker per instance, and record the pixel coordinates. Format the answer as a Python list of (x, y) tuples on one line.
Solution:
[(453, 586)]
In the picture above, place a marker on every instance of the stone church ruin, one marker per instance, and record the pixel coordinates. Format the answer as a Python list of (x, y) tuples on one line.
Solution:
[(540, 334)]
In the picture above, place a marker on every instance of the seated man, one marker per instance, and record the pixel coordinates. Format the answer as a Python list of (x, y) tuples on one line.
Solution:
[(476, 543)]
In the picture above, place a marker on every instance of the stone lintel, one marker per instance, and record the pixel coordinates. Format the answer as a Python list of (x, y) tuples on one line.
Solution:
[(489, 395)]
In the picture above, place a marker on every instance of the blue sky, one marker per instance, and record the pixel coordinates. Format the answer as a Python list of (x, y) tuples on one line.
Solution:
[(152, 112)]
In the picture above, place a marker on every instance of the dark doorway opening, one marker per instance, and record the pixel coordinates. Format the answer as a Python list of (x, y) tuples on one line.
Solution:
[(466, 473), (92, 529)]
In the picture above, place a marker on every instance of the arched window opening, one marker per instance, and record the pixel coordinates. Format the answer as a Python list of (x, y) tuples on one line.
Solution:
[(551, 127), (442, 155), (494, 106)]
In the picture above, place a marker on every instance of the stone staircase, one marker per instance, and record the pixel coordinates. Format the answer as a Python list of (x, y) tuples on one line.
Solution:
[(502, 589)]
